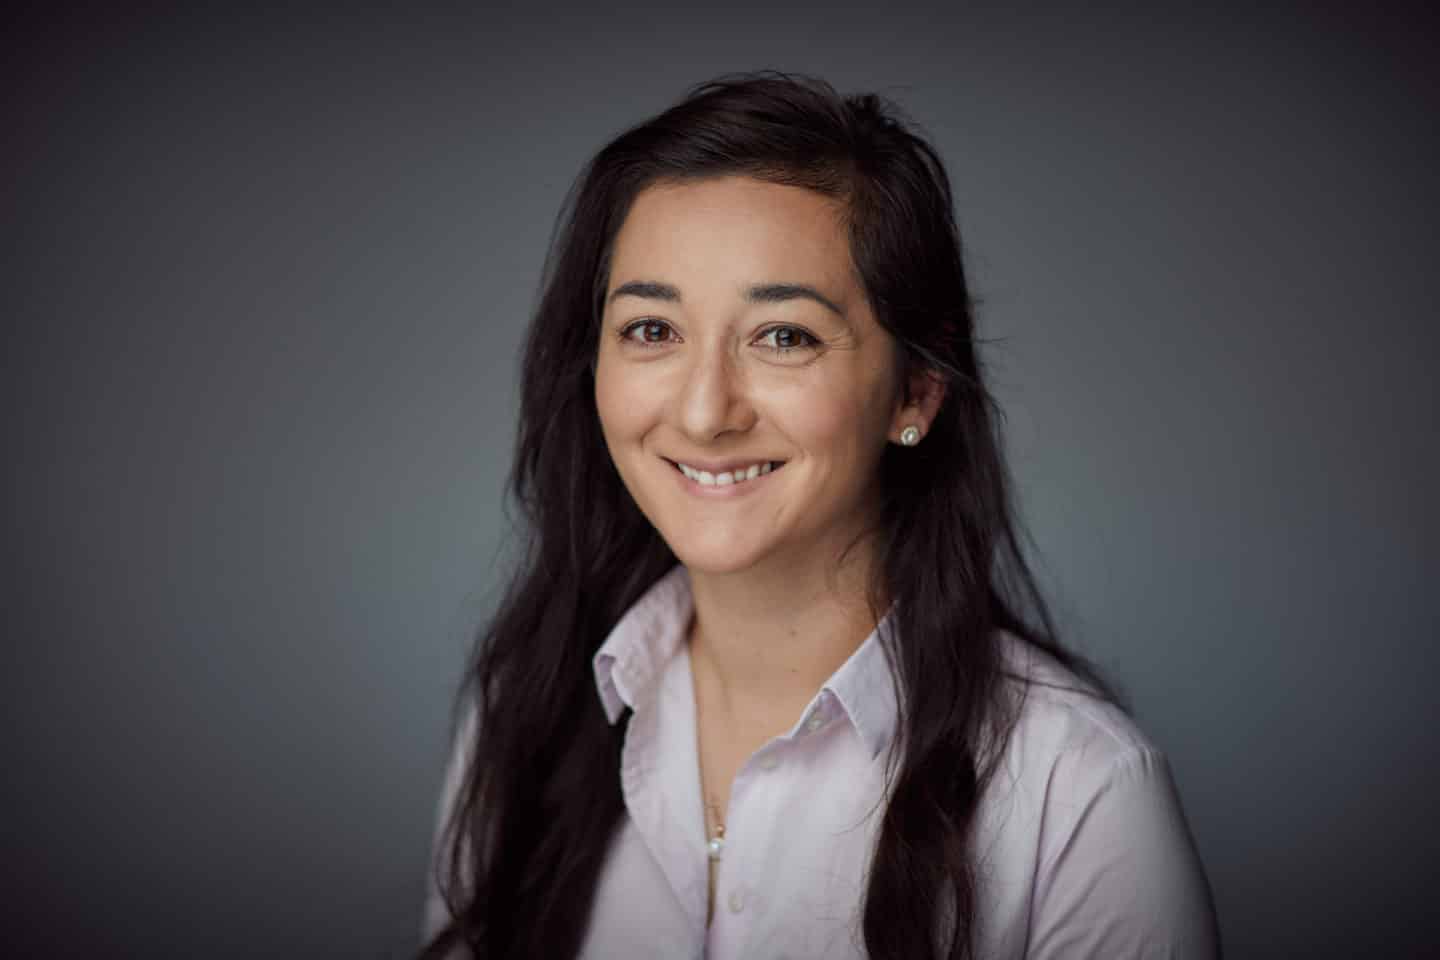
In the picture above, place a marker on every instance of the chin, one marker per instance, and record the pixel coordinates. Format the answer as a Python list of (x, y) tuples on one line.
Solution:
[(716, 557)]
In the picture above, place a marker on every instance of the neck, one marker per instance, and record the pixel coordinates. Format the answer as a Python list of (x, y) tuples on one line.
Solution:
[(763, 641)]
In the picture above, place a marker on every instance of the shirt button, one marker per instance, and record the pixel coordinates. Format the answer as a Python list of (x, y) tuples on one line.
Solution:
[(737, 901), (816, 721), (769, 762)]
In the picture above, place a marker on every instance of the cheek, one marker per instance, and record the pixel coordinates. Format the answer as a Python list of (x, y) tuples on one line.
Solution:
[(607, 404), (620, 402), (818, 422), (840, 423)]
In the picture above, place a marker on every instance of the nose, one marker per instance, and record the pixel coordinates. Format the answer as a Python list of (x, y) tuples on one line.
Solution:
[(714, 400)]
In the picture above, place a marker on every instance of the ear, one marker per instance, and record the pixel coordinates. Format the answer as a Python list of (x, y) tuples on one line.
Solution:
[(919, 402)]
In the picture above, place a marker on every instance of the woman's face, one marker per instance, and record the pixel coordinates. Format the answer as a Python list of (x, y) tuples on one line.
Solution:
[(736, 340)]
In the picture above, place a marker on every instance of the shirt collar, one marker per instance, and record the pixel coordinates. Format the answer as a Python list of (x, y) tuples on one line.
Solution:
[(866, 689), (630, 661)]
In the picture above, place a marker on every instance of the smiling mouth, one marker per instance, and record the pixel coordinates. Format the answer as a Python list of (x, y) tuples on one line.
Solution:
[(728, 478)]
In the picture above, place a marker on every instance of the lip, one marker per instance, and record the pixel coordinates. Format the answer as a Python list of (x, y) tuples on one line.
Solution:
[(696, 488)]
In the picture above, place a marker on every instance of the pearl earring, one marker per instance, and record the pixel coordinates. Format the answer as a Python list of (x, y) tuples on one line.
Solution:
[(910, 435)]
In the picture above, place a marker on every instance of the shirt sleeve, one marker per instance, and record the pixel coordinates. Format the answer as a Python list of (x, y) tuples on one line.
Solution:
[(436, 913), (1120, 876)]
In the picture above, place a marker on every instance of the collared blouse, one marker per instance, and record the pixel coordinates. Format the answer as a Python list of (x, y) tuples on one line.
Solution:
[(1082, 847)]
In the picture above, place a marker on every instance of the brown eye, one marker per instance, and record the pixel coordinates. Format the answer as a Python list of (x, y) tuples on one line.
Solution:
[(647, 332), (785, 339)]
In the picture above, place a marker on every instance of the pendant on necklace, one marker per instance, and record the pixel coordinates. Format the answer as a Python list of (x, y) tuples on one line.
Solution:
[(717, 842)]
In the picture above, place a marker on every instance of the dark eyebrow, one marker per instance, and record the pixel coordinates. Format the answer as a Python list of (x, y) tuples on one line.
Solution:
[(780, 292), (759, 293), (648, 289)]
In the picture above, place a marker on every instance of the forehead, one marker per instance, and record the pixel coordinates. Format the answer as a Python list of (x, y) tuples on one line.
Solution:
[(729, 230)]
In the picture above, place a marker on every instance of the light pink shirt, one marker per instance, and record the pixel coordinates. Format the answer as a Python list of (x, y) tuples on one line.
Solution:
[(1082, 847)]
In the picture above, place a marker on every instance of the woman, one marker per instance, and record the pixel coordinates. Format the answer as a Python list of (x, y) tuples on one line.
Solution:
[(761, 686)]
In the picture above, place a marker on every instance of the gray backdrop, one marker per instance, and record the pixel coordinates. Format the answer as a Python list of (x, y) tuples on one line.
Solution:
[(265, 277)]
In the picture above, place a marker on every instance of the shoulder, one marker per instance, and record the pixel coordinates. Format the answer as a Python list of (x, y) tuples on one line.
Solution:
[(1085, 800), (1068, 747), (1057, 714), (464, 727)]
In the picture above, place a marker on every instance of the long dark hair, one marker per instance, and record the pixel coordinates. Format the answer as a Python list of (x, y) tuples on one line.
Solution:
[(541, 799)]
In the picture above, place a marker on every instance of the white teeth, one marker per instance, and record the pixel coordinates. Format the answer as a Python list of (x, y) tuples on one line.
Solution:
[(728, 477)]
